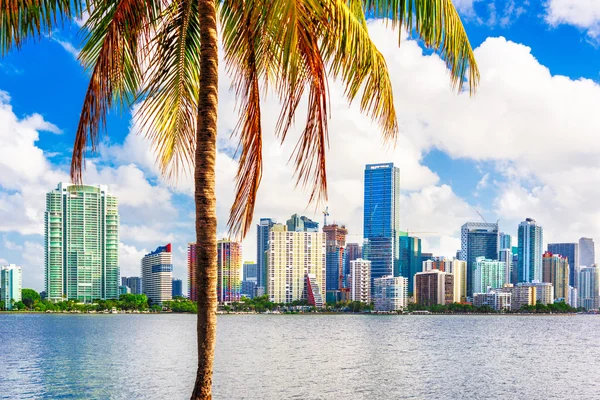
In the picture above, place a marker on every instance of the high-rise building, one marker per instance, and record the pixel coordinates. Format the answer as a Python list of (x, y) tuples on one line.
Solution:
[(458, 269), (353, 251), (477, 239), (531, 238), (335, 241), (360, 280), (434, 287), (293, 255), (497, 299), (555, 270), (191, 264), (312, 290), (587, 252), (488, 274), (229, 271), (571, 252), (589, 288), (177, 288), (250, 271), (298, 223), (134, 283), (435, 263), (504, 241), (426, 257), (410, 259), (381, 218), (81, 243), (262, 246), (157, 275), (520, 295), (391, 293), (248, 288), (506, 256), (11, 282), (573, 297)]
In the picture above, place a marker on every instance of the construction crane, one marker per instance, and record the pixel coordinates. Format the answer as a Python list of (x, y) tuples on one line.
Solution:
[(482, 217), (325, 215), (409, 232)]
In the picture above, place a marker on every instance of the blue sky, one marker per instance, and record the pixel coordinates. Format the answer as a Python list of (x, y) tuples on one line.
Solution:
[(525, 146)]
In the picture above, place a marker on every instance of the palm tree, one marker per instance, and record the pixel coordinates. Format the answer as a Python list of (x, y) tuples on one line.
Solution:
[(164, 55)]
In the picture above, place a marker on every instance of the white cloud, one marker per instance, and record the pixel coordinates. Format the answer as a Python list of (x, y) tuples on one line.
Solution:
[(584, 14), (67, 46)]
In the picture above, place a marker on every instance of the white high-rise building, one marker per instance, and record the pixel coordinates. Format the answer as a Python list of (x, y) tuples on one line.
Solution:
[(81, 246), (506, 256), (291, 256), (360, 280), (488, 274), (157, 275), (391, 293), (11, 279)]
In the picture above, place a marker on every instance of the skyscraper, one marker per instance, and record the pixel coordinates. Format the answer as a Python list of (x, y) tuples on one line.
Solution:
[(555, 270), (335, 241), (293, 256), (11, 278), (177, 288), (587, 252), (229, 271), (298, 223), (488, 274), (381, 218), (506, 256), (262, 245), (191, 263), (250, 271), (410, 259), (531, 238), (589, 287), (504, 241), (353, 251), (157, 275), (81, 243), (458, 269), (571, 252), (134, 283), (477, 239)]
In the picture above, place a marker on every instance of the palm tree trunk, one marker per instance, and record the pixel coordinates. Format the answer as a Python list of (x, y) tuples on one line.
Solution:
[(206, 211)]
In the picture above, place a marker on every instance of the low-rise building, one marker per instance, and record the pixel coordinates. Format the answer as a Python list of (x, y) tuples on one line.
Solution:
[(391, 293), (521, 295), (497, 299)]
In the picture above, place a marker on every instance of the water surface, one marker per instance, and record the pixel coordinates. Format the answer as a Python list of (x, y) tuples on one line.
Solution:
[(302, 357)]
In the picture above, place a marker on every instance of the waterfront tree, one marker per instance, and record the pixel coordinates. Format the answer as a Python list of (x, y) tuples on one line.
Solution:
[(30, 297), (165, 56)]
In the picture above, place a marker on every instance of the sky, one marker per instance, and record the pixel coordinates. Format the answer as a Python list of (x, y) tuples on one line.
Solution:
[(526, 145)]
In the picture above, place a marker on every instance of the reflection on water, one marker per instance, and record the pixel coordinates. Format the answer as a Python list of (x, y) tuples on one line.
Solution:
[(303, 357)]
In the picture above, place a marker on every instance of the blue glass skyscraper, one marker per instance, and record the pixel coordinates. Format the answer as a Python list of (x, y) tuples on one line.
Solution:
[(571, 251), (262, 245), (382, 218), (410, 259)]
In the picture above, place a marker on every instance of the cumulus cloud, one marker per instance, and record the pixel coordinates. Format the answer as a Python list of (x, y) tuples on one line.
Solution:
[(584, 14)]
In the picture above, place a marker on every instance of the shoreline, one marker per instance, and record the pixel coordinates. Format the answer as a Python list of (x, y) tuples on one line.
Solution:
[(306, 314)]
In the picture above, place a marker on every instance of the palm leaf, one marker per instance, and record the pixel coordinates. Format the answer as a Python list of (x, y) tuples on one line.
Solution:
[(438, 24), (20, 19), (170, 98), (117, 34)]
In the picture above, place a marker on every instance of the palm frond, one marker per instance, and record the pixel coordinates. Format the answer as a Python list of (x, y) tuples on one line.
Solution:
[(169, 106), (246, 58), (22, 19), (438, 24), (117, 33), (351, 54)]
